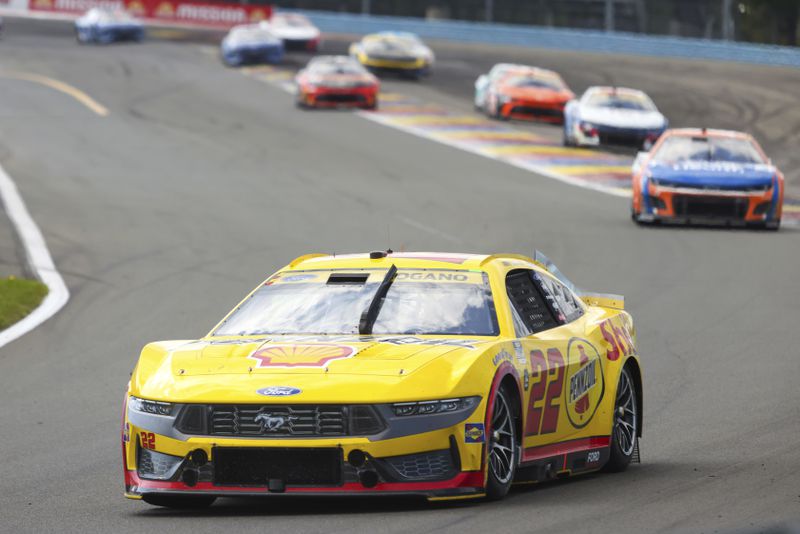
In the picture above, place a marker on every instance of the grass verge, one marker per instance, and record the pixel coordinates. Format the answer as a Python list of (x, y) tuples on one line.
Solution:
[(19, 297)]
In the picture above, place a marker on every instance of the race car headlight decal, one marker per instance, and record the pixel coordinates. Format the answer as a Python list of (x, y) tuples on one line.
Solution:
[(157, 465), (152, 407), (404, 409)]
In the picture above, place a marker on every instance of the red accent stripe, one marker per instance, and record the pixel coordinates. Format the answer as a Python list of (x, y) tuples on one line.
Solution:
[(466, 479), (565, 447)]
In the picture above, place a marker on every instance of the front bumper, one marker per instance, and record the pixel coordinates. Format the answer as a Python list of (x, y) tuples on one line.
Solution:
[(552, 112), (600, 135), (698, 206), (414, 66), (364, 97), (445, 463)]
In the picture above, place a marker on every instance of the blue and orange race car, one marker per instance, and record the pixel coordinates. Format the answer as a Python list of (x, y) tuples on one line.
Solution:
[(709, 177)]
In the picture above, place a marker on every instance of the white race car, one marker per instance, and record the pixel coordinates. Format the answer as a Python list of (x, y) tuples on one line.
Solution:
[(296, 31), (613, 116)]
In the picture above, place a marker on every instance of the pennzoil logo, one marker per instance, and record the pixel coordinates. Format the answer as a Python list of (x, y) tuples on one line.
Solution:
[(301, 355), (585, 383)]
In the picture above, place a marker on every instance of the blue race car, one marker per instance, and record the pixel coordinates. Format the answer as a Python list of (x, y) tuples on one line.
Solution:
[(106, 26), (707, 176), (251, 43)]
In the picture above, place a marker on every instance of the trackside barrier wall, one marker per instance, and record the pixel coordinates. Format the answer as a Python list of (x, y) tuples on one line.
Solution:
[(559, 39)]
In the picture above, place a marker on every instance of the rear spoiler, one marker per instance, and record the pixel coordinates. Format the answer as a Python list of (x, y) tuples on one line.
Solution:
[(603, 300)]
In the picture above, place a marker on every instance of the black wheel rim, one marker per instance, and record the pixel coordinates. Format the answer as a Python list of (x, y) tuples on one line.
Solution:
[(625, 419), (502, 444)]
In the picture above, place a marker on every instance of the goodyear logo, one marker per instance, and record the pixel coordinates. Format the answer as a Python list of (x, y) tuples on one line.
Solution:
[(585, 382), (473, 433), (301, 355)]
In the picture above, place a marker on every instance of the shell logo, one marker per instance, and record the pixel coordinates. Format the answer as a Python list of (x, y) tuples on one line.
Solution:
[(585, 383), (301, 355), (135, 8), (164, 9), (258, 15)]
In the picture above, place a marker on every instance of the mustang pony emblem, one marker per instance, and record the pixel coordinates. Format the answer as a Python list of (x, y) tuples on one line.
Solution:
[(273, 423)]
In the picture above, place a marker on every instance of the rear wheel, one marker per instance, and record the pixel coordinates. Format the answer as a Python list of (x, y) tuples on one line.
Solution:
[(179, 501), (625, 430), (502, 447)]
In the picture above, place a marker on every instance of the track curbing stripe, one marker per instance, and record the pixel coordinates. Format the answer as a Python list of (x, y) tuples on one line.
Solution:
[(38, 258)]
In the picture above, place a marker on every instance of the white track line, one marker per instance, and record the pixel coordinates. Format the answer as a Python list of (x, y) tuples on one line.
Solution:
[(39, 260)]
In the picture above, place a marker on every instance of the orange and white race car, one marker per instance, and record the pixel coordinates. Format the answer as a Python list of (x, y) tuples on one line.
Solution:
[(528, 94)]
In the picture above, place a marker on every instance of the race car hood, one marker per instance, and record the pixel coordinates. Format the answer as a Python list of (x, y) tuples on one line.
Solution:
[(340, 80), (713, 174), (622, 118), (295, 32), (181, 370), (392, 49), (534, 94)]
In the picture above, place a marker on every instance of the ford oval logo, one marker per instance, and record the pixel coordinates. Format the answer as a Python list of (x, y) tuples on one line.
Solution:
[(279, 391)]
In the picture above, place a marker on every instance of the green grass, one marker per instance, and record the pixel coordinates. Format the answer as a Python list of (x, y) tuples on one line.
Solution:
[(18, 298)]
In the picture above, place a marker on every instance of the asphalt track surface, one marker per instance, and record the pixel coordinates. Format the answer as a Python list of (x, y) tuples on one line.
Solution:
[(201, 181)]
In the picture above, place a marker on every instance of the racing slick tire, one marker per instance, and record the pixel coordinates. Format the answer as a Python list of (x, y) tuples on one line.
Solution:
[(502, 447), (625, 430), (567, 141), (772, 225), (179, 501)]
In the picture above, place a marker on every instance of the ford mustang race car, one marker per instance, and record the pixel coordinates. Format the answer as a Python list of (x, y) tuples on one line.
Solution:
[(398, 52), (105, 26), (528, 94), (613, 116), (707, 176), (251, 43), (296, 31), (335, 81), (448, 376)]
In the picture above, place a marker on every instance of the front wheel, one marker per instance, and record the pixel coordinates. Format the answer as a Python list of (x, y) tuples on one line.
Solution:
[(625, 431), (502, 447), (179, 501)]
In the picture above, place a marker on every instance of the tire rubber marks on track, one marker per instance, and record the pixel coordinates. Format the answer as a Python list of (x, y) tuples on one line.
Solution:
[(59, 86), (39, 260)]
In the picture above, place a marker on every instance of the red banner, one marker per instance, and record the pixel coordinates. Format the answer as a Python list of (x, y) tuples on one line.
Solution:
[(195, 13)]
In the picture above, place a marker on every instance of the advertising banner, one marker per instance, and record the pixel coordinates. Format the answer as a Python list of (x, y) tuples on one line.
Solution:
[(179, 12)]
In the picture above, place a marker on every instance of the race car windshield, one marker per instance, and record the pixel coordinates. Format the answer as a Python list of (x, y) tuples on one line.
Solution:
[(620, 101), (331, 302), (679, 149), (535, 82), (337, 68)]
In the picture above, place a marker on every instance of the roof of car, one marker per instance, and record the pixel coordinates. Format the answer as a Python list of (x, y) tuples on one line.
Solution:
[(441, 260), (708, 132), (606, 89)]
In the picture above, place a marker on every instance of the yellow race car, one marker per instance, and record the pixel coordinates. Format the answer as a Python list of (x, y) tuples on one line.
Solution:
[(399, 52), (449, 376)]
